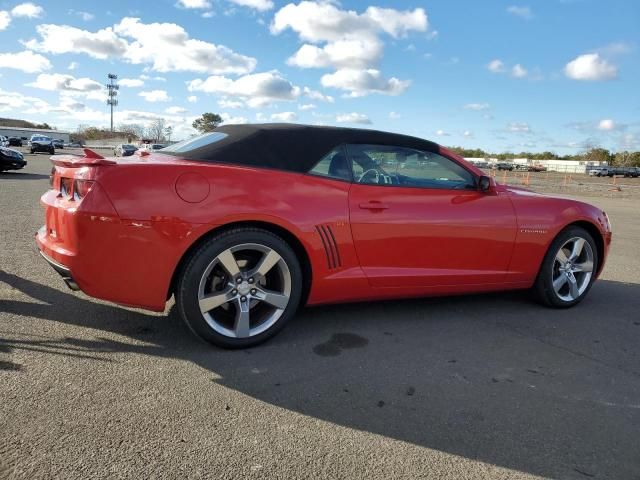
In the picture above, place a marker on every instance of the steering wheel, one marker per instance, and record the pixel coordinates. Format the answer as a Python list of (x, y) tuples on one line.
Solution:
[(366, 172)]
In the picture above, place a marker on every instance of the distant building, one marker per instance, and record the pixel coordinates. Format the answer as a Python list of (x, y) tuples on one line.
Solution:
[(25, 133)]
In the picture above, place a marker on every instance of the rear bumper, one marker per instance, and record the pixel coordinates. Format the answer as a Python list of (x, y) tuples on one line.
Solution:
[(63, 271)]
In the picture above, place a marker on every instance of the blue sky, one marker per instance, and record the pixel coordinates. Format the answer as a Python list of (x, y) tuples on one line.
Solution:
[(559, 75)]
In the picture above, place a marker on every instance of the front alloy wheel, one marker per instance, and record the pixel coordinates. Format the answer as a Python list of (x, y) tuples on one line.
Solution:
[(568, 269), (240, 288), (572, 269)]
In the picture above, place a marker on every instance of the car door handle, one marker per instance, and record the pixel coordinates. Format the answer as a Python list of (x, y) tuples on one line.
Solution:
[(374, 206)]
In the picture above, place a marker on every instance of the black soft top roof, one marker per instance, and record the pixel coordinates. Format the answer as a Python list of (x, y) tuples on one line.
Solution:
[(291, 147)]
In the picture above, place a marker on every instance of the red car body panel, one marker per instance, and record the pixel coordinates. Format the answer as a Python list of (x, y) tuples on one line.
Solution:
[(124, 240)]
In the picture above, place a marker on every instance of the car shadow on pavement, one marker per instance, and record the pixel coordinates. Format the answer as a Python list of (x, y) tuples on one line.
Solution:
[(494, 378), (17, 175)]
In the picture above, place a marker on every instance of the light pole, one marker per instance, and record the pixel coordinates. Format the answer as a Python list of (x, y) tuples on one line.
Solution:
[(112, 93)]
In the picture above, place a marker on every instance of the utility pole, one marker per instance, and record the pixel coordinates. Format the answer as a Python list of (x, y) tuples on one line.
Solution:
[(112, 93)]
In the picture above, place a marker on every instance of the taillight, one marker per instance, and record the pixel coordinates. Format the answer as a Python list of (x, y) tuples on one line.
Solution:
[(65, 186), (81, 188)]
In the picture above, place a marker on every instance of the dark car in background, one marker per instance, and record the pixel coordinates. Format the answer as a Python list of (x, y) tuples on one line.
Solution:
[(15, 142), (124, 150), (58, 143), (11, 159), (40, 143), (504, 166)]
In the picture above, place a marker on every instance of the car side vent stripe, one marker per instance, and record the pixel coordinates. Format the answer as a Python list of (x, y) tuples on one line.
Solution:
[(330, 246)]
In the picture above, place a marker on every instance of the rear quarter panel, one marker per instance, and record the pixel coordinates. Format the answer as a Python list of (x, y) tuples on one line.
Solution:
[(158, 226)]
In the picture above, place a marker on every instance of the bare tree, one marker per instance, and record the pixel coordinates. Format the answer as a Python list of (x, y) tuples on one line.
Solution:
[(168, 132), (155, 130), (132, 129)]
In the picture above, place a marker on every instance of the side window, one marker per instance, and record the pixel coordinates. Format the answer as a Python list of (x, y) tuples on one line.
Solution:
[(333, 165), (390, 165)]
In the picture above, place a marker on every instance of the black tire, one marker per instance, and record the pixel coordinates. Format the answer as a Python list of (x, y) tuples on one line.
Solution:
[(195, 265), (543, 288), (31, 152)]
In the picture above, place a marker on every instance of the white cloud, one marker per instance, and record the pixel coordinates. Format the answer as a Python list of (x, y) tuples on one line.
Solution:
[(477, 106), (209, 14), (227, 103), (496, 66), (432, 35), (325, 22), (131, 82), (616, 48), (394, 115), (520, 11), (65, 83), (467, 134), (306, 107), (192, 99), (518, 71), (353, 117), (256, 90), (315, 95), (27, 9), (73, 66), (176, 110), (86, 16), (590, 66), (353, 52), (347, 41), (65, 39), (364, 82), (194, 3), (155, 96), (5, 19), (229, 120), (25, 61), (260, 5), (284, 116), (442, 133), (166, 47), (607, 125), (519, 127)]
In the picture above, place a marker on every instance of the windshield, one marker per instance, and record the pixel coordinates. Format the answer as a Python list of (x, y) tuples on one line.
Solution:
[(40, 139), (195, 142)]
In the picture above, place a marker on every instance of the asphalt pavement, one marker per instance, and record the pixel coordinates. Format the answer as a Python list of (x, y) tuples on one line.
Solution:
[(492, 386)]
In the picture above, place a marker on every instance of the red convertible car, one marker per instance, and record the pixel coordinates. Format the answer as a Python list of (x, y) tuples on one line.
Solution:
[(247, 223)]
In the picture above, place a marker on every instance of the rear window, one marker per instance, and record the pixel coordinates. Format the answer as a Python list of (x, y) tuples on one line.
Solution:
[(195, 142)]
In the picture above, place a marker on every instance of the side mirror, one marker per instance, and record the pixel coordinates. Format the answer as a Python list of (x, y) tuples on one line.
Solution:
[(484, 184)]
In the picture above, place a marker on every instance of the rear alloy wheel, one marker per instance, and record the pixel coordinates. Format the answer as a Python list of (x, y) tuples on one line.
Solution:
[(240, 288), (569, 268)]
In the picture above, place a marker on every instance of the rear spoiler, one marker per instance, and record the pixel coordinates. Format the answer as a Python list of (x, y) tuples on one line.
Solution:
[(90, 159)]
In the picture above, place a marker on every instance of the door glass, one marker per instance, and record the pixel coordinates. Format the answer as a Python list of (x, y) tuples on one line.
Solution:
[(390, 165), (334, 165)]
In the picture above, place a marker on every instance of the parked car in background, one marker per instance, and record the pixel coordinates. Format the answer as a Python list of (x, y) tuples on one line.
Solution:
[(537, 168), (151, 147), (504, 166), (15, 142), (599, 172), (11, 159), (630, 172), (247, 223), (74, 145), (58, 143), (40, 143), (124, 150), (521, 166), (4, 141)]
